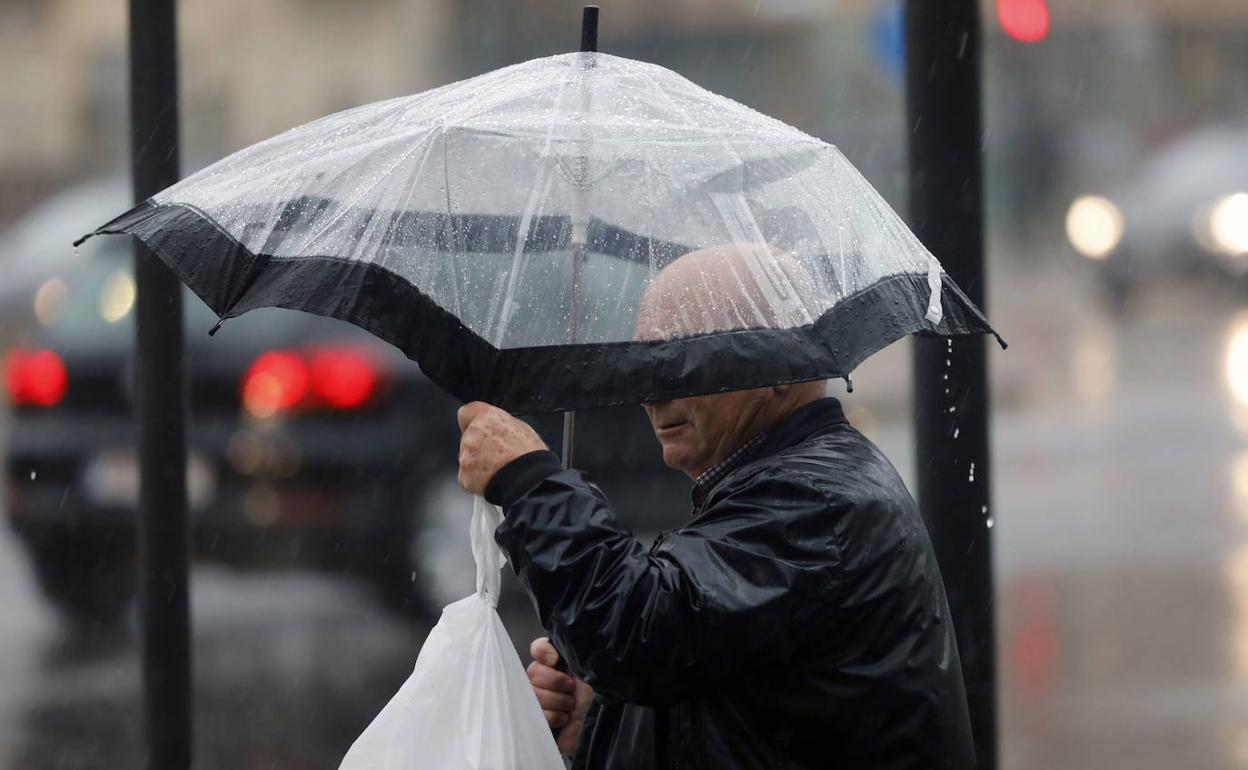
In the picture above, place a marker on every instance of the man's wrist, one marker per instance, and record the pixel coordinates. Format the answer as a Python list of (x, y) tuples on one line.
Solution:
[(516, 478)]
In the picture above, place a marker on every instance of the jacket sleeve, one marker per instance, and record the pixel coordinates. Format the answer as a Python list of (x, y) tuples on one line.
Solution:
[(730, 596)]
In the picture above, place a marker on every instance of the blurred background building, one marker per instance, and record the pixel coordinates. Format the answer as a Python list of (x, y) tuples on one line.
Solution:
[(1117, 205)]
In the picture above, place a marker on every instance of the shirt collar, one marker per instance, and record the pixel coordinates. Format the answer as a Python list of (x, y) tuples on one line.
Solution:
[(705, 482)]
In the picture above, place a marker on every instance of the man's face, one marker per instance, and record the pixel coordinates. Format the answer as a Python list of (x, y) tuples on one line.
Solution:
[(698, 431), (712, 289)]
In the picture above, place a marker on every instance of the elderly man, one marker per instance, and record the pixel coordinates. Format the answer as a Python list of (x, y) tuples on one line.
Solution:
[(796, 620)]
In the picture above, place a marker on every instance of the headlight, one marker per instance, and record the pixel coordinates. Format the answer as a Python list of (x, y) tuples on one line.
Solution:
[(1228, 224), (1094, 226), (117, 296)]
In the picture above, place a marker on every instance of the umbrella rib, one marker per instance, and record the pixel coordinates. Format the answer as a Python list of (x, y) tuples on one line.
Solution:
[(357, 194), (411, 183), (452, 235), (767, 283), (543, 184), (817, 204)]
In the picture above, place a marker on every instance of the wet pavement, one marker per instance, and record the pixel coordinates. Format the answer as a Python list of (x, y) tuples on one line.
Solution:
[(1121, 513)]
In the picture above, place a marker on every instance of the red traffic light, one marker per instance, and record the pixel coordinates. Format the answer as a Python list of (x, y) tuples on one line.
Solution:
[(1027, 21)]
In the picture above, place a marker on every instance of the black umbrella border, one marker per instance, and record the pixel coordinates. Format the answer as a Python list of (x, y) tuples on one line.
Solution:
[(232, 280)]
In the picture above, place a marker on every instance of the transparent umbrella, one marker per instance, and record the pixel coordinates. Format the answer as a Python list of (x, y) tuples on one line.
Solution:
[(508, 231)]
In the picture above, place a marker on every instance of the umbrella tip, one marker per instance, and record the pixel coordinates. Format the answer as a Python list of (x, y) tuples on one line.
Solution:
[(589, 29), (216, 327)]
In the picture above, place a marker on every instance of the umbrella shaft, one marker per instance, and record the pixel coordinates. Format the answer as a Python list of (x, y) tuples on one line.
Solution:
[(574, 306), (574, 312)]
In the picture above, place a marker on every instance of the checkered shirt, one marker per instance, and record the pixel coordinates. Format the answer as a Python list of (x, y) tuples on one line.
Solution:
[(704, 483)]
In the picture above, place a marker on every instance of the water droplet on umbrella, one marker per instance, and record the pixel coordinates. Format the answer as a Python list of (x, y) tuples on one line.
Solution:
[(990, 522), (971, 477), (952, 409), (956, 431), (983, 509)]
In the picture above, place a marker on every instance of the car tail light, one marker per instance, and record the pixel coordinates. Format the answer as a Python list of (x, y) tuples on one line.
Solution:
[(34, 377), (342, 378), (276, 381), (326, 377)]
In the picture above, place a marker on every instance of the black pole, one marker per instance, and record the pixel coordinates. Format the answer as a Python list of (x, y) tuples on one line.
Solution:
[(951, 377), (589, 44), (161, 400)]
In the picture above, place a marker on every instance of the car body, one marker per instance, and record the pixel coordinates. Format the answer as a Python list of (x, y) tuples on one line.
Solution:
[(1184, 213), (310, 442)]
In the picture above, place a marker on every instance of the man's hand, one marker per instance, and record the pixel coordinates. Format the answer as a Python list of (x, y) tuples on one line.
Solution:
[(564, 699), (491, 439)]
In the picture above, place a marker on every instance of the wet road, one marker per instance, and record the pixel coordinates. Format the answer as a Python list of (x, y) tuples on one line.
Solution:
[(1121, 516)]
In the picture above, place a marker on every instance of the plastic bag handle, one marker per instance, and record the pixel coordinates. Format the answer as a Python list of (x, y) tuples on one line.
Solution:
[(485, 552)]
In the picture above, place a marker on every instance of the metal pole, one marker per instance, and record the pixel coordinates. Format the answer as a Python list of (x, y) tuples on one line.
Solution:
[(950, 376), (589, 43), (161, 400)]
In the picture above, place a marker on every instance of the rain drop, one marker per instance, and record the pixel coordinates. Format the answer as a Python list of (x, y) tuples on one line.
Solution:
[(952, 409), (32, 475), (956, 431), (947, 362), (990, 522), (413, 576), (983, 509), (971, 477)]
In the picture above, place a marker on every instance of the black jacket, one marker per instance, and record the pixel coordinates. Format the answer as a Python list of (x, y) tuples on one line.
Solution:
[(796, 621)]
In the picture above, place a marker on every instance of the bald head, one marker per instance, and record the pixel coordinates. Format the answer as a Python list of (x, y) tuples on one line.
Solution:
[(726, 287), (723, 288)]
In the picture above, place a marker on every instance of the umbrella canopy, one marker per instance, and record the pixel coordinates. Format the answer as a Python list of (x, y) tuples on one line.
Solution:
[(504, 230)]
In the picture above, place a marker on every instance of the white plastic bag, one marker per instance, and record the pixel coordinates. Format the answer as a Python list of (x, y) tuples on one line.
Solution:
[(468, 704)]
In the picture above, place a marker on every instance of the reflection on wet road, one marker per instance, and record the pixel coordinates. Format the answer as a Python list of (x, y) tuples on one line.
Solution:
[(1123, 549), (1121, 513)]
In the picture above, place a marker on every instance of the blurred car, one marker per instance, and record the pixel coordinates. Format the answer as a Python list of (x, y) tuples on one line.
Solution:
[(310, 441), (1184, 212)]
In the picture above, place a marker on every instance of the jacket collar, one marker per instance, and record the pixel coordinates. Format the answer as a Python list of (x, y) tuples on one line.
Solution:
[(792, 429), (801, 424)]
